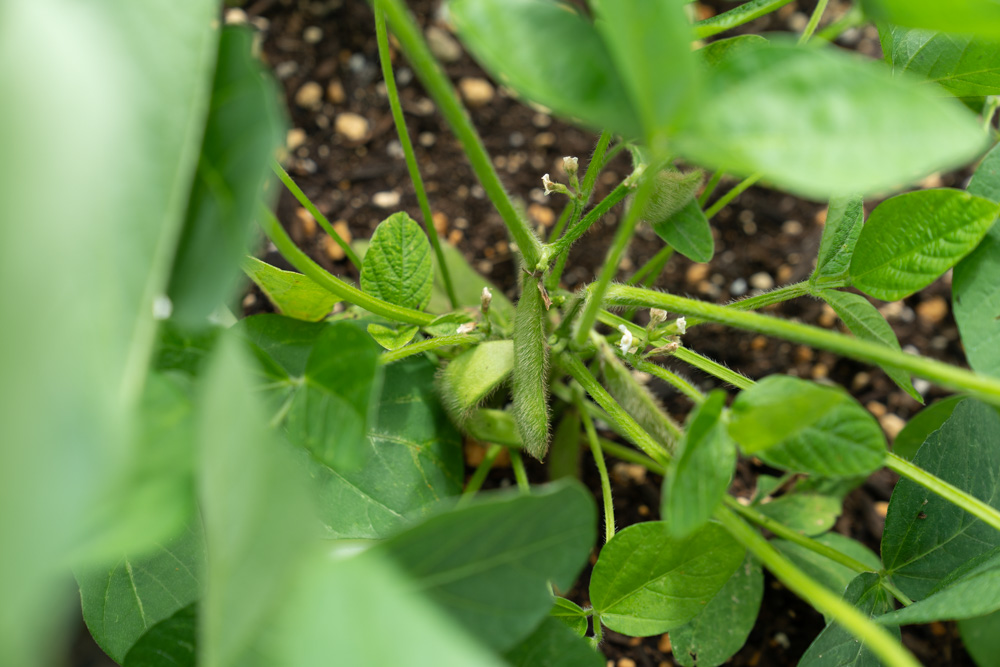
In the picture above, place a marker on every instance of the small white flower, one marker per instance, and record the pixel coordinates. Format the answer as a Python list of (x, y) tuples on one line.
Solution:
[(550, 187), (487, 298), (163, 307), (657, 316), (466, 328), (625, 344), (682, 325), (571, 165)]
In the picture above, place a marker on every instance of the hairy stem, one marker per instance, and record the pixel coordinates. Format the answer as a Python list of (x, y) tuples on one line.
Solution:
[(520, 474), (737, 190), (580, 227), (602, 467), (382, 37), (713, 368), (441, 91), (428, 345), (672, 379)]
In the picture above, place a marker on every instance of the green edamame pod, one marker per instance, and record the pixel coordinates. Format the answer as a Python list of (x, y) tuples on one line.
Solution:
[(531, 357)]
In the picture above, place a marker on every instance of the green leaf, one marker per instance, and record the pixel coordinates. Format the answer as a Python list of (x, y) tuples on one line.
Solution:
[(183, 350), (125, 600), (564, 455), (701, 469), (552, 644), (833, 575), (926, 537), (571, 615), (976, 17), (489, 564), (688, 232), (718, 632), (650, 44), (246, 124), (414, 460), (966, 66), (473, 375), (329, 412), (844, 219), (820, 122), (981, 637), (717, 52), (397, 267), (172, 642), (801, 426), (912, 238), (392, 339), (561, 61), (921, 425), (835, 646), (494, 426), (255, 511), (865, 322), (447, 324), (977, 593), (975, 289), (293, 294), (806, 513), (281, 344), (646, 582), (363, 611)]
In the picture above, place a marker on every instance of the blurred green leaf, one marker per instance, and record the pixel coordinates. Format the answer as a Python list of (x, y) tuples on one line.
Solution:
[(121, 603), (245, 126), (867, 323), (834, 576), (921, 425), (820, 122), (397, 267), (646, 582), (966, 66), (970, 591), (717, 52), (981, 637), (564, 455), (173, 642), (552, 644), (281, 344), (927, 537), (806, 513), (489, 564), (293, 294), (721, 629), (835, 646), (977, 17), (844, 219), (392, 339), (560, 60), (701, 469), (913, 238), (571, 615)]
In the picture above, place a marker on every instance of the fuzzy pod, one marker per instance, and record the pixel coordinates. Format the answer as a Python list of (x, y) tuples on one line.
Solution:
[(674, 190), (636, 399), (531, 360), (472, 376)]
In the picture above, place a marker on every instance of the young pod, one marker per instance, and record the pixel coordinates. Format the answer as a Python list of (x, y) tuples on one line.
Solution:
[(531, 356), (472, 376)]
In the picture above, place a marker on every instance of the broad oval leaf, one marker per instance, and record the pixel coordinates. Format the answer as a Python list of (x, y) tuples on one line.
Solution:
[(717, 52), (913, 238), (981, 637), (293, 294), (921, 425), (820, 122), (676, 217), (975, 285), (701, 469), (571, 615), (173, 642), (806, 513), (473, 375), (397, 267), (966, 66), (124, 601), (646, 582), (976, 17), (721, 629), (552, 644), (801, 426), (489, 564), (927, 537), (835, 646), (392, 339), (865, 322), (560, 60), (844, 219), (975, 594), (834, 576)]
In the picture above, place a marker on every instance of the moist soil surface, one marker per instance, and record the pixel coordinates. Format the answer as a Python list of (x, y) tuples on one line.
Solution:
[(344, 153)]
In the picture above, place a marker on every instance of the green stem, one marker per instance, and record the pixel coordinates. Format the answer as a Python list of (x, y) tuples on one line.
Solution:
[(651, 270), (274, 231), (428, 345), (813, 21), (854, 17), (623, 235), (520, 474), (974, 506), (382, 37), (626, 454), (594, 167), (673, 379), (710, 187), (745, 13), (602, 468), (779, 295), (616, 412), (713, 368), (568, 212), (983, 387), (443, 93), (320, 218), (884, 645), (724, 200), (579, 228), (482, 470)]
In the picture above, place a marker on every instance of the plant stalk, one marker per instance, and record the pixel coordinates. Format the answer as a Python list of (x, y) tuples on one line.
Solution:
[(482, 470), (428, 345), (602, 467), (713, 368), (725, 199), (672, 379), (737, 16), (813, 21)]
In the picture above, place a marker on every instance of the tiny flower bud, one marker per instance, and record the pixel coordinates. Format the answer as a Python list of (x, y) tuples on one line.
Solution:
[(571, 165), (657, 316), (625, 344), (682, 325), (486, 299), (551, 186), (466, 328)]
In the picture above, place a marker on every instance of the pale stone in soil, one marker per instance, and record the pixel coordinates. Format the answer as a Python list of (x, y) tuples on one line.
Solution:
[(351, 126)]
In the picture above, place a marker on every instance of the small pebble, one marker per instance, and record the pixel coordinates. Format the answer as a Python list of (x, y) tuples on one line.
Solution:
[(440, 222), (306, 221), (443, 45), (881, 508), (784, 273), (792, 227), (312, 35), (395, 149), (892, 425), (820, 371), (876, 408), (352, 126), (426, 139), (626, 662), (628, 472), (476, 91), (828, 316), (933, 311), (762, 281), (331, 247), (236, 16), (739, 287), (295, 138), (422, 107), (664, 644), (921, 385), (696, 273), (541, 120), (335, 92), (542, 214), (386, 199), (285, 69), (309, 96), (860, 381)]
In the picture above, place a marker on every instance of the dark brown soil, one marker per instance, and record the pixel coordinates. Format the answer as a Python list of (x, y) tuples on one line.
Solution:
[(764, 238)]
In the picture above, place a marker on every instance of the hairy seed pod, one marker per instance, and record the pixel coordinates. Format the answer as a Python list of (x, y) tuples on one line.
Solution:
[(673, 191), (636, 399), (472, 376), (531, 356)]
